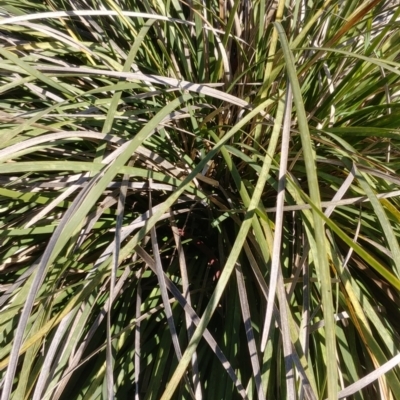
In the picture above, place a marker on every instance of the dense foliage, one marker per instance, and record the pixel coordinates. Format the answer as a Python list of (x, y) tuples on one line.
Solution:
[(199, 199)]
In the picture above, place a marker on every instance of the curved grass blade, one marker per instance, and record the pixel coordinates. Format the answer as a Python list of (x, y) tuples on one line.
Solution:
[(368, 379), (322, 261)]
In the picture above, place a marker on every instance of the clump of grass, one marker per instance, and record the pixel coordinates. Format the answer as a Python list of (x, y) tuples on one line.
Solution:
[(199, 200)]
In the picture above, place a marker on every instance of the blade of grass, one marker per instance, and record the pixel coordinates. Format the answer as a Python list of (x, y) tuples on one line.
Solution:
[(322, 261), (384, 221), (276, 250), (368, 379), (186, 293), (244, 304)]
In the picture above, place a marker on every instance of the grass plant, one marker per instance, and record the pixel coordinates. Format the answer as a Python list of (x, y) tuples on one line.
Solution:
[(199, 200)]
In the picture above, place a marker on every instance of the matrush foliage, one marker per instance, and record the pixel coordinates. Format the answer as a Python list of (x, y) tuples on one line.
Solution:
[(199, 199)]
